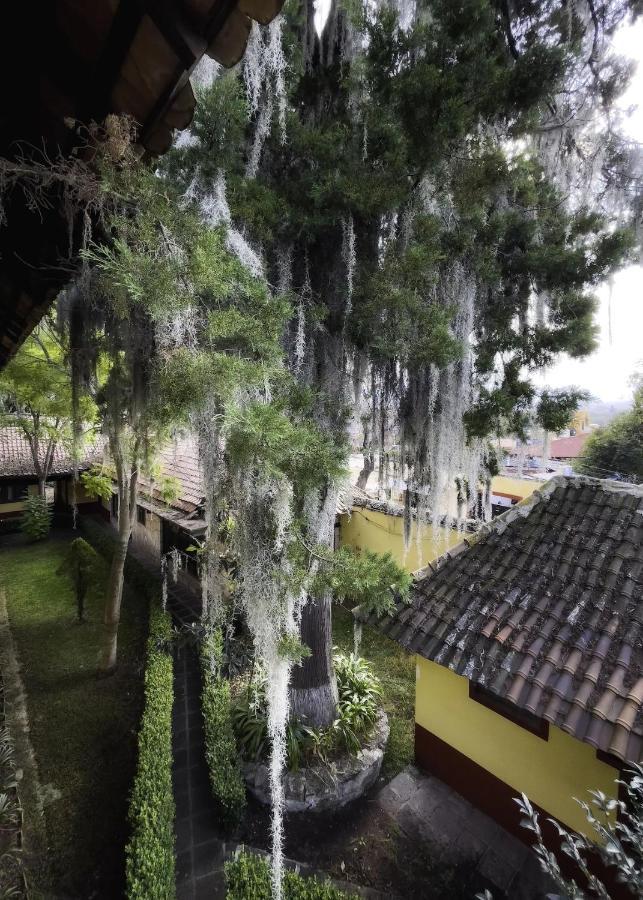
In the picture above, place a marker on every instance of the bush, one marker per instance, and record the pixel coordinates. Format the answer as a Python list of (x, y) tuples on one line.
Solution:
[(249, 876), (136, 575), (228, 788), (36, 518), (150, 852), (359, 694)]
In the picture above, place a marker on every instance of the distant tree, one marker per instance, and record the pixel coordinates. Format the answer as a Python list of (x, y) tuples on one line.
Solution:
[(84, 567), (36, 397), (617, 449)]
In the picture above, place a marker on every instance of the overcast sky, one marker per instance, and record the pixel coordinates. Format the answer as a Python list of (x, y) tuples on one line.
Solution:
[(606, 372)]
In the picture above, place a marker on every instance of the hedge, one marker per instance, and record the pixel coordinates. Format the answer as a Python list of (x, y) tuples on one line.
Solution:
[(248, 876), (104, 540), (226, 780), (150, 851)]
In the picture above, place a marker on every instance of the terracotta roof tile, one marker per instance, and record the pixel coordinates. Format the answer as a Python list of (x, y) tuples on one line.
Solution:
[(16, 459), (546, 608)]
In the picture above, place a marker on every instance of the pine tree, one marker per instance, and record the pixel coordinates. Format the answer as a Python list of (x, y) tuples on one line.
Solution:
[(390, 177)]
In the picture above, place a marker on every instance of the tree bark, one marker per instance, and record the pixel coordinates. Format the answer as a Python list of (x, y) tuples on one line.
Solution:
[(127, 505), (313, 692)]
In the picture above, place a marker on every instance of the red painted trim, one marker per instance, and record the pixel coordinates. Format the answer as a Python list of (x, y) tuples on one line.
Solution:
[(516, 497), (496, 798)]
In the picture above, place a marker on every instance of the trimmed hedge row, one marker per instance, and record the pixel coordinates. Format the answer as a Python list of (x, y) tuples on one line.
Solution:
[(136, 575), (149, 865), (226, 780), (249, 876)]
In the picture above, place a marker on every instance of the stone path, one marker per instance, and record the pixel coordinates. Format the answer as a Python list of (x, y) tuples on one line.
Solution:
[(458, 832)]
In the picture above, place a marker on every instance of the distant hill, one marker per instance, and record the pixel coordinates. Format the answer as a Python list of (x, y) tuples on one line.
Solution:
[(601, 413)]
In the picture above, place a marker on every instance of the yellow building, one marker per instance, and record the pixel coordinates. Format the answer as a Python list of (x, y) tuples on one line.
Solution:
[(528, 638), (382, 530)]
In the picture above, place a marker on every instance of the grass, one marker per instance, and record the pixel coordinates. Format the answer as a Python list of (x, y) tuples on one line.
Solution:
[(83, 730), (396, 670)]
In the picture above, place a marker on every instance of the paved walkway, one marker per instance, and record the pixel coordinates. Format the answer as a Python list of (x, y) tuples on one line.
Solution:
[(458, 832)]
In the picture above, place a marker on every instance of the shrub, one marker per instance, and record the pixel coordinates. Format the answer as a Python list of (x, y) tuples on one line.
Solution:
[(357, 709), (228, 788), (249, 876), (617, 830), (150, 852), (36, 518)]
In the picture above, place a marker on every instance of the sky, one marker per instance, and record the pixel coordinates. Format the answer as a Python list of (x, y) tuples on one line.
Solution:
[(606, 372)]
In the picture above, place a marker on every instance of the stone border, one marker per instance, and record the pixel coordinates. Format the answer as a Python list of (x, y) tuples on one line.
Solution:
[(323, 787)]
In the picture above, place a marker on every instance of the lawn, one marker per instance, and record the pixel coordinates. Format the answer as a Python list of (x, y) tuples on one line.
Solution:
[(396, 670), (82, 729)]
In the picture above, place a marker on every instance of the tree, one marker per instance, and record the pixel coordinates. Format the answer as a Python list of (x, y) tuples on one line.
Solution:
[(36, 393), (85, 570), (395, 207), (616, 451)]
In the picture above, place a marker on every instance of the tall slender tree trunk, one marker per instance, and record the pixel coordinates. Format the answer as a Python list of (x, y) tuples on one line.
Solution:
[(112, 615), (42, 487), (313, 692)]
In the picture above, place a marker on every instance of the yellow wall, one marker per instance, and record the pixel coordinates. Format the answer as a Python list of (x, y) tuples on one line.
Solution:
[(551, 772), (516, 487), (366, 529)]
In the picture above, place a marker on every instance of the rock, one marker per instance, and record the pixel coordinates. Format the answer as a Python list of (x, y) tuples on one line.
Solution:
[(320, 787)]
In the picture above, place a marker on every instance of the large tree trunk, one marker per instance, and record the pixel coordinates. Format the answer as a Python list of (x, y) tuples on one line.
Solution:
[(41, 488), (313, 692)]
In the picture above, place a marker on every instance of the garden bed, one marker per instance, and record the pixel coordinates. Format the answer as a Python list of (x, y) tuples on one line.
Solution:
[(83, 730), (360, 843)]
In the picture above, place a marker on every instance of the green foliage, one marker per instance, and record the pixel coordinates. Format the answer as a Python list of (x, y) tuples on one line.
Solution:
[(170, 488), (36, 517), (97, 483), (555, 408), (226, 780), (364, 578), (36, 395), (150, 852), (85, 570), (617, 830), (10, 816), (284, 442), (359, 701), (248, 876), (616, 450), (290, 647)]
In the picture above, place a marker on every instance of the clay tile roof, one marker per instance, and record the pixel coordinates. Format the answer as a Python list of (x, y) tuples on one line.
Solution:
[(180, 460), (563, 448), (16, 459), (560, 634)]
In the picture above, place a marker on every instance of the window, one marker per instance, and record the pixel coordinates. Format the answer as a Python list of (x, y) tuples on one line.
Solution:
[(140, 515), (115, 506), (509, 710)]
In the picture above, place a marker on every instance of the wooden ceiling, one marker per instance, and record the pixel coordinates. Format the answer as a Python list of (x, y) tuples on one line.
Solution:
[(81, 60)]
